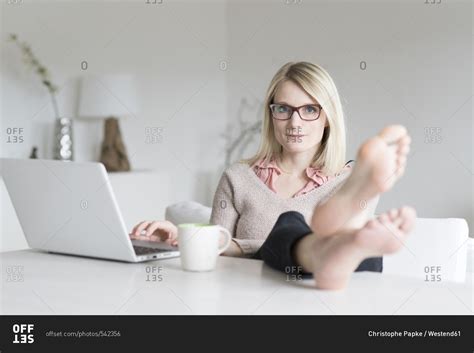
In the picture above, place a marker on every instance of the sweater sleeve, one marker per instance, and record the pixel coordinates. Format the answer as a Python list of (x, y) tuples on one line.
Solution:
[(225, 214), (249, 246)]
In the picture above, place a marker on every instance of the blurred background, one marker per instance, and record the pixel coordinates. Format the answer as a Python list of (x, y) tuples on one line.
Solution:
[(186, 81)]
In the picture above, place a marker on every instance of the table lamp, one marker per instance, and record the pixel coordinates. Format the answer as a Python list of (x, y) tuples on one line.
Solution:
[(109, 97)]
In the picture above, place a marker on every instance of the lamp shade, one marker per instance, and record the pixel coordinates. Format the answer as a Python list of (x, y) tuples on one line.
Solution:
[(103, 96)]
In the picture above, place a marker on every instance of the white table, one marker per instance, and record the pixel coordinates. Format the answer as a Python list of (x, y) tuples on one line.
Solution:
[(59, 284)]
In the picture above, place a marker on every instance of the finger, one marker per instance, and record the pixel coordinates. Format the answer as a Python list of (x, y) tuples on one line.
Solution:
[(166, 230), (135, 228), (167, 226), (142, 227), (146, 238), (173, 235), (172, 242), (152, 227), (139, 227), (153, 238)]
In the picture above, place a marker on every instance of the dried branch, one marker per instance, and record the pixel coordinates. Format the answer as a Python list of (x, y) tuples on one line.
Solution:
[(244, 133), (32, 61)]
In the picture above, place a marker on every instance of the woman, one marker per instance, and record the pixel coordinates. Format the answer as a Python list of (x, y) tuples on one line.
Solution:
[(300, 176)]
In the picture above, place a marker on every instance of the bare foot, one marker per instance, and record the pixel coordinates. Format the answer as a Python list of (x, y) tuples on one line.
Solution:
[(333, 259), (381, 161)]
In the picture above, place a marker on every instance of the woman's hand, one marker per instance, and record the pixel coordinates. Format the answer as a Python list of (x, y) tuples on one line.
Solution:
[(233, 250), (156, 231)]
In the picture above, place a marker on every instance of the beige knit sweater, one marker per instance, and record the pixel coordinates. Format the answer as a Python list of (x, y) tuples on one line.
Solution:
[(249, 209)]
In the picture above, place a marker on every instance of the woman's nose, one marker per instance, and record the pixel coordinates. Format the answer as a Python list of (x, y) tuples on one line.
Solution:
[(295, 119)]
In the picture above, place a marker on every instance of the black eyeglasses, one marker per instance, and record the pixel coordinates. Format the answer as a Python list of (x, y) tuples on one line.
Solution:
[(308, 112)]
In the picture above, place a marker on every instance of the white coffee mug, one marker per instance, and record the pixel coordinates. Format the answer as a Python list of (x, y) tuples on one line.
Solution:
[(199, 245)]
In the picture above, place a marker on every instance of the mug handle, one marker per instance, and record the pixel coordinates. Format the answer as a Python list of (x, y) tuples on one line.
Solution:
[(227, 242)]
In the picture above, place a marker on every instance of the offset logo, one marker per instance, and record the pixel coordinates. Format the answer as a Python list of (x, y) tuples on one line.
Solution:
[(23, 333)]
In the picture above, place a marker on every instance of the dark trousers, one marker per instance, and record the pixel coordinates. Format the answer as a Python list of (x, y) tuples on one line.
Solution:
[(277, 249)]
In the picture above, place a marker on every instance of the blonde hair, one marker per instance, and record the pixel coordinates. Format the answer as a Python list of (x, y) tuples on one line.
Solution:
[(317, 83)]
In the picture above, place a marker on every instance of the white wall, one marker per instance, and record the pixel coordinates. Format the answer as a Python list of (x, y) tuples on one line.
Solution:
[(204, 65), (419, 73)]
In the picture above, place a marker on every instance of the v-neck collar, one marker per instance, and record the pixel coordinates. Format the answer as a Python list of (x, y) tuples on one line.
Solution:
[(260, 183), (312, 173)]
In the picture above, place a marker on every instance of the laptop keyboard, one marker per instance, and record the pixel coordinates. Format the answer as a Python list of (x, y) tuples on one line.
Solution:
[(143, 250)]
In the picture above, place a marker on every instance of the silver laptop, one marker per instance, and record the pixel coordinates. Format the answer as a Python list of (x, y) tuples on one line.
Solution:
[(70, 208)]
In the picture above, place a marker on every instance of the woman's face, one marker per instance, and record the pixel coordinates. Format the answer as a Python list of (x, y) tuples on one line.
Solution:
[(295, 134)]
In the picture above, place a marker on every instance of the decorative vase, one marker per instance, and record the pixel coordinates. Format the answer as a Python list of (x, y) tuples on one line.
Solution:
[(113, 152), (63, 140)]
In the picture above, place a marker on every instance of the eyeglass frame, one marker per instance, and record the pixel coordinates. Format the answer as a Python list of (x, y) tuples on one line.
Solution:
[(297, 109)]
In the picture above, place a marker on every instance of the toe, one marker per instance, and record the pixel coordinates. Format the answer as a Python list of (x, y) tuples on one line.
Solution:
[(400, 165), (406, 140), (408, 216), (391, 220), (393, 133), (401, 160), (408, 212), (400, 171), (397, 222), (404, 149), (393, 214), (384, 218), (372, 223)]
